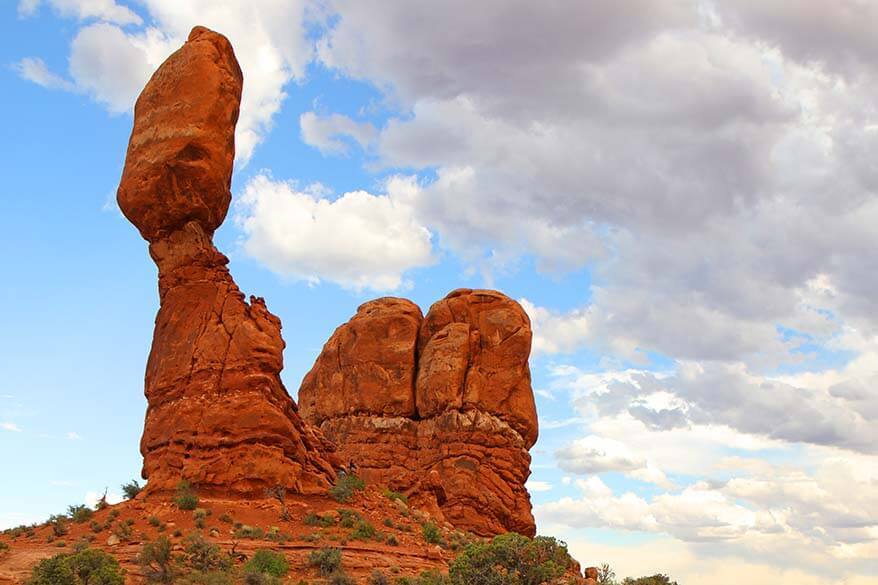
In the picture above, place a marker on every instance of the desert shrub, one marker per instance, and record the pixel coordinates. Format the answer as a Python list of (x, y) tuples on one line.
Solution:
[(209, 578), (79, 514), (658, 579), (86, 567), (348, 518), (340, 578), (122, 530), (156, 561), (431, 578), (58, 524), (377, 578), (431, 533), (3, 548), (95, 567), (511, 559), (131, 489), (392, 495), (312, 519), (52, 571), (345, 487), (363, 531), (391, 540), (245, 531), (606, 575), (204, 556), (186, 498), (154, 521), (326, 560), (263, 579), (267, 562), (275, 535), (225, 517)]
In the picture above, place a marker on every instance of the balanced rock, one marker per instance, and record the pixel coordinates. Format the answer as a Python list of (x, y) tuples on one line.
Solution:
[(218, 414), (437, 407)]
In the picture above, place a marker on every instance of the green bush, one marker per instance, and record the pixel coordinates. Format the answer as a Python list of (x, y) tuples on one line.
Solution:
[(431, 578), (58, 524), (392, 495), (312, 519), (348, 518), (326, 560), (204, 556), (263, 579), (186, 498), (3, 548), (377, 578), (345, 487), (658, 579), (123, 531), (209, 578), (79, 514), (363, 531), (85, 567), (131, 489), (156, 561), (340, 578), (511, 559), (431, 533), (245, 531), (267, 562)]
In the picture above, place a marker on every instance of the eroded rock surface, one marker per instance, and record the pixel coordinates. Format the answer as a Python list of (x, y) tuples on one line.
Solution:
[(218, 414), (440, 408)]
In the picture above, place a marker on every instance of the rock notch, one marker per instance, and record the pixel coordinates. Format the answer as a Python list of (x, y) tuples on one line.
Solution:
[(438, 407), (218, 414)]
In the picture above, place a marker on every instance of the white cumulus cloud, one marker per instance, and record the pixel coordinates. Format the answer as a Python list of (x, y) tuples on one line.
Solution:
[(359, 240), (325, 132)]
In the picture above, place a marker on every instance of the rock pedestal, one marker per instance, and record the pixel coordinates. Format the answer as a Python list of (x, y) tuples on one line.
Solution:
[(218, 415)]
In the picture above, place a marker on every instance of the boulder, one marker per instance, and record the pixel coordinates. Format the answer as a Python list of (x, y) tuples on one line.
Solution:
[(437, 407)]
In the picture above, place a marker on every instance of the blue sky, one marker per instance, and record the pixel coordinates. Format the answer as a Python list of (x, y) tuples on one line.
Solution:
[(681, 194)]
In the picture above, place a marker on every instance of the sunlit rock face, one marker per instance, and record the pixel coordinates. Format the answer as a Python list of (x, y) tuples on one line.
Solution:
[(438, 407)]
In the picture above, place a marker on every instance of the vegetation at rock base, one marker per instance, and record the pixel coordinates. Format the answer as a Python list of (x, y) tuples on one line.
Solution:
[(657, 579), (511, 559), (186, 498), (431, 533), (326, 560), (204, 556), (345, 487), (267, 562), (606, 576), (84, 567), (156, 561), (131, 489), (79, 514)]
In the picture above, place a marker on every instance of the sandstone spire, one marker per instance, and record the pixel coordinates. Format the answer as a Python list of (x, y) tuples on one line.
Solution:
[(218, 414)]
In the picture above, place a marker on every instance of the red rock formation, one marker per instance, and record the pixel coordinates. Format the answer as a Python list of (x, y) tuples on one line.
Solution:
[(449, 424), (218, 414)]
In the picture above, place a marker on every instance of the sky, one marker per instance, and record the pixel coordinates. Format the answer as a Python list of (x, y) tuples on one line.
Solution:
[(682, 195)]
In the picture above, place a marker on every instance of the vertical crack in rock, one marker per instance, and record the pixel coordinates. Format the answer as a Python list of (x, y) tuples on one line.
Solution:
[(218, 414), (452, 430)]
